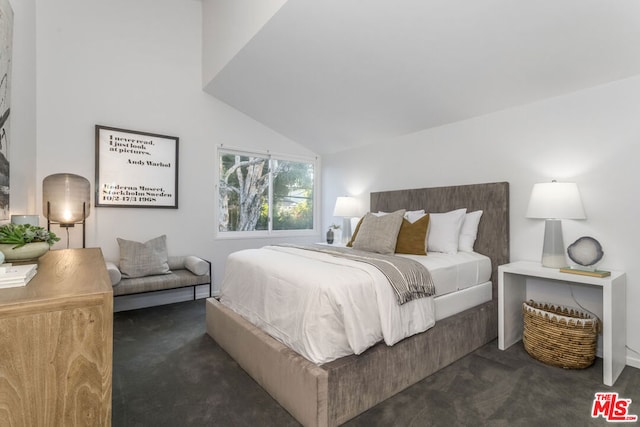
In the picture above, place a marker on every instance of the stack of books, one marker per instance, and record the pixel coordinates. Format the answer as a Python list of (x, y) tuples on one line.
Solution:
[(12, 276), (592, 273)]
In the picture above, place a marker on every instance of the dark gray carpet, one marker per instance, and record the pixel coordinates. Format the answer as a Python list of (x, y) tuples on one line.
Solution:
[(168, 372)]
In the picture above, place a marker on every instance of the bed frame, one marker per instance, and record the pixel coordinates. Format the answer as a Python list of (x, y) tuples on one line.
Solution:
[(333, 393)]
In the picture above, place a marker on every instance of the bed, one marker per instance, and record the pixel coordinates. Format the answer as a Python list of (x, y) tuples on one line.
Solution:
[(334, 392)]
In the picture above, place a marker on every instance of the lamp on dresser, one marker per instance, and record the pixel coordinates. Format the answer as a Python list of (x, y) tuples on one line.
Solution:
[(66, 201), (553, 202)]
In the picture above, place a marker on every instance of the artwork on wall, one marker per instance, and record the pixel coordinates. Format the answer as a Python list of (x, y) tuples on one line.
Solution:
[(136, 169), (6, 37)]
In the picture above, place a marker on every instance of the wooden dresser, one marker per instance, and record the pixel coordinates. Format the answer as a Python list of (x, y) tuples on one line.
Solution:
[(56, 343)]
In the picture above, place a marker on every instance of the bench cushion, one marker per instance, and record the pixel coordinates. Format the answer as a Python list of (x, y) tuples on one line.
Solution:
[(173, 280)]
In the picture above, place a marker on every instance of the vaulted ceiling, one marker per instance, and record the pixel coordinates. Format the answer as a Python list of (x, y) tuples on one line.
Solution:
[(336, 74)]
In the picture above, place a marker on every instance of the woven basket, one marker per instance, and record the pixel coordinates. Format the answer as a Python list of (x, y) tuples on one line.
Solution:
[(559, 336)]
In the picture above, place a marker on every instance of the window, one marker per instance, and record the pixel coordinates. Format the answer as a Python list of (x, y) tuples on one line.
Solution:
[(262, 194)]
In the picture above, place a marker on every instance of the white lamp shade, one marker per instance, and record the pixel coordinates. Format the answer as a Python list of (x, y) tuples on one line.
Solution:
[(557, 200), (65, 198), (346, 207)]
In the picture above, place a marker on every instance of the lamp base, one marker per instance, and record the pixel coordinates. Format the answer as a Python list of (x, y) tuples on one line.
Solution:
[(346, 230), (553, 249)]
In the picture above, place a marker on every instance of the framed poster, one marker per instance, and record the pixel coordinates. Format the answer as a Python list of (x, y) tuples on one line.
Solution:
[(136, 169)]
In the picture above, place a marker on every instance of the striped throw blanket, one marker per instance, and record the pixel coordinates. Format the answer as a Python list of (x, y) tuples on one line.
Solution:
[(408, 278)]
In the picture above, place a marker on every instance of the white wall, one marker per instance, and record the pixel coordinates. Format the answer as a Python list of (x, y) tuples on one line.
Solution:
[(590, 137), (134, 65), (23, 110), (228, 25)]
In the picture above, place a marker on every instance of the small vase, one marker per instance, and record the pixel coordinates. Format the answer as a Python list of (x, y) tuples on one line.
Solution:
[(28, 252), (330, 236)]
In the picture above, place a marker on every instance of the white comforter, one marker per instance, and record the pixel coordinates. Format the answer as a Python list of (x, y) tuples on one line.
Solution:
[(321, 306)]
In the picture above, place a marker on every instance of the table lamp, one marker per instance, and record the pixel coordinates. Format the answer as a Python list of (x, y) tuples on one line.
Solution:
[(66, 201), (347, 208), (553, 202)]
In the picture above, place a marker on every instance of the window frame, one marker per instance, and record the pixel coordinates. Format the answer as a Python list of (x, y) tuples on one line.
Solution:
[(269, 233)]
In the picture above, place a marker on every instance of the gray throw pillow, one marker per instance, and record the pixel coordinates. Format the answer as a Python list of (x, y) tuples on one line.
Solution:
[(143, 259), (379, 233)]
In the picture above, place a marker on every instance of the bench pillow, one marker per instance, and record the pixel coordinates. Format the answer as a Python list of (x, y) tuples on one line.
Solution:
[(114, 273), (196, 265), (143, 259)]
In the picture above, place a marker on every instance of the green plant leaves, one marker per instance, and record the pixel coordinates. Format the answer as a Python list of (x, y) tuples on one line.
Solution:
[(21, 234)]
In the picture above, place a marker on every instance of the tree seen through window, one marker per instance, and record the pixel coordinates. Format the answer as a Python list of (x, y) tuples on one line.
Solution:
[(264, 193)]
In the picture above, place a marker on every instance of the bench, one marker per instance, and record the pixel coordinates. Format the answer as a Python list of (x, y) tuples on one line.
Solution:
[(185, 271)]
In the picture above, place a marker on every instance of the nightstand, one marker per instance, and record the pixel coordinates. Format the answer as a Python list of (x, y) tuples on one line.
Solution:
[(512, 292)]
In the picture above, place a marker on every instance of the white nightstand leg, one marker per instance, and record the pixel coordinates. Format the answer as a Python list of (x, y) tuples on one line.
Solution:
[(614, 330), (512, 292)]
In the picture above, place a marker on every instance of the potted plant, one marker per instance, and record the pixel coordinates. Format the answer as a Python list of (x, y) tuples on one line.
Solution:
[(25, 242)]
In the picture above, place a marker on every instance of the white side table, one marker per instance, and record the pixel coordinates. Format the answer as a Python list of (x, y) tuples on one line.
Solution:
[(335, 244), (512, 292)]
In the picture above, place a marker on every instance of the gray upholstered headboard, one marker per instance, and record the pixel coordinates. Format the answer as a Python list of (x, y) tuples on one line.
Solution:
[(492, 198)]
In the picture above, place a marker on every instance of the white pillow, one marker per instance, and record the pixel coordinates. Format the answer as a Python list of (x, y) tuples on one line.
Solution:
[(354, 223), (444, 231), (469, 231), (411, 216), (196, 265)]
